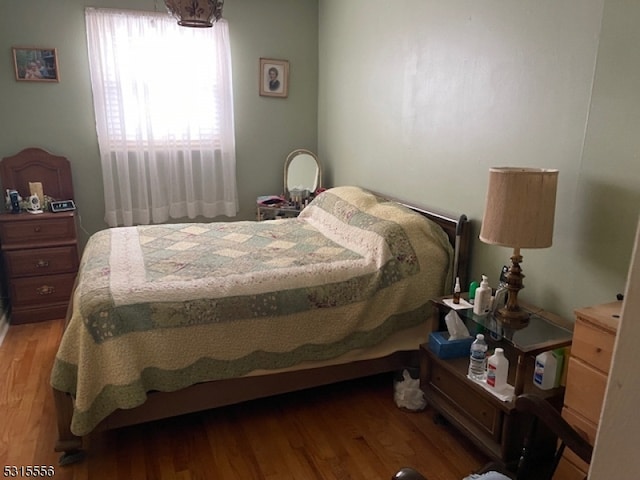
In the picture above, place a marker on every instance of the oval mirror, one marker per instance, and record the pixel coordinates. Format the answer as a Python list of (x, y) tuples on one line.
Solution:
[(302, 172)]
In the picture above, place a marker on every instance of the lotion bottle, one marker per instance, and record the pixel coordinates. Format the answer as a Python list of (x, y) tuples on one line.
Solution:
[(482, 303)]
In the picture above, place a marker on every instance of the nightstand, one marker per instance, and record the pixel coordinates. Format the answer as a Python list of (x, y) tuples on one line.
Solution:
[(40, 255), (490, 423), (39, 251)]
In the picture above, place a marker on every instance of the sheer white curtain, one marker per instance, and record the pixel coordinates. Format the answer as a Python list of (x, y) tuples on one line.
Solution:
[(164, 115)]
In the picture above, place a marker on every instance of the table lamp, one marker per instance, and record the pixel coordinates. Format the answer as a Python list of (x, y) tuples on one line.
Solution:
[(519, 213)]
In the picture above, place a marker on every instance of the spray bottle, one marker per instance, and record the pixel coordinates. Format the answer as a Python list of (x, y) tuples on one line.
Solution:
[(456, 291)]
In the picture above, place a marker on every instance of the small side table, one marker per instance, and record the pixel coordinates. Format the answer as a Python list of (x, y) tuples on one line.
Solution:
[(272, 212), (493, 425), (40, 257)]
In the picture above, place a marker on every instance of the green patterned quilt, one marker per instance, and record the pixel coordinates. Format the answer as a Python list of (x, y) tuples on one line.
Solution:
[(167, 306)]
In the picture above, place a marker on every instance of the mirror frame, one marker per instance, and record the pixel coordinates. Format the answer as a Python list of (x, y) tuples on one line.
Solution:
[(290, 159)]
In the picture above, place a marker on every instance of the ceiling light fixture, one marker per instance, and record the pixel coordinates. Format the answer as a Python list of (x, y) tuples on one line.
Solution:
[(196, 13)]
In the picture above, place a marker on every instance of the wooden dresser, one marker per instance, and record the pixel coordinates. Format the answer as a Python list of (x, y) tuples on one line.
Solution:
[(39, 251), (591, 352)]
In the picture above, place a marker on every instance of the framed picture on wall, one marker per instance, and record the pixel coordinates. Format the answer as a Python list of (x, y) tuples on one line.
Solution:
[(274, 78), (33, 64)]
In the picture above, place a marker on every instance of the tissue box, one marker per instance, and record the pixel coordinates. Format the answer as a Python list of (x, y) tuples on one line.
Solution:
[(440, 344)]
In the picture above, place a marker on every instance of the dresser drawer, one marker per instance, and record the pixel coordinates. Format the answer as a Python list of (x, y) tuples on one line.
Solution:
[(593, 345), (586, 428), (568, 471), (26, 230), (475, 406), (41, 261), (585, 390), (36, 291)]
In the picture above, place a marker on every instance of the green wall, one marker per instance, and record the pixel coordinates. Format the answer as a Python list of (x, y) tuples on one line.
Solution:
[(418, 98), (415, 98), (59, 116)]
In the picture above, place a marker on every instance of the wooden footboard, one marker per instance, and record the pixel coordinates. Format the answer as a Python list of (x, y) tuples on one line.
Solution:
[(204, 396)]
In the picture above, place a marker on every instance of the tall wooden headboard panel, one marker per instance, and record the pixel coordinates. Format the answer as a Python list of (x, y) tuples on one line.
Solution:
[(37, 165)]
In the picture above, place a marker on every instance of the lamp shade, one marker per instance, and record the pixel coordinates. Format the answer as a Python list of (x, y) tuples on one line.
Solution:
[(520, 207), (195, 13)]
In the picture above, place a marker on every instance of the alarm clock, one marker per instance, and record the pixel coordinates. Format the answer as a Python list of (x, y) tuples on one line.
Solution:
[(62, 206)]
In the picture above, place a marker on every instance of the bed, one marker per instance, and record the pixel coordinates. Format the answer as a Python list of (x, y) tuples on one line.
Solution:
[(176, 318)]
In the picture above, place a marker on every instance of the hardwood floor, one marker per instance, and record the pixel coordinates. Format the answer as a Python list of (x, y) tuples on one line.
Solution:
[(351, 430)]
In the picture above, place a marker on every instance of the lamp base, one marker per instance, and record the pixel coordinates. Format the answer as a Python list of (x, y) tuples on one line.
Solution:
[(512, 318), (511, 315)]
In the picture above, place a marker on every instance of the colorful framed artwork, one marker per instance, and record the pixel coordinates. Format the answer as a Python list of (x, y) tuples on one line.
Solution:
[(274, 78), (32, 64)]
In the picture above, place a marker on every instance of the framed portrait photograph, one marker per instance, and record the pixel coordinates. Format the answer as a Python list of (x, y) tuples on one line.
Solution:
[(34, 64), (274, 78)]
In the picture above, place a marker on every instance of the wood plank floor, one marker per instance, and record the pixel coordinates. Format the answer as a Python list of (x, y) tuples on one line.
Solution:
[(351, 430)]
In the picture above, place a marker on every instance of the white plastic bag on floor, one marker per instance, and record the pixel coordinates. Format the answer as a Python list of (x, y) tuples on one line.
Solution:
[(407, 393)]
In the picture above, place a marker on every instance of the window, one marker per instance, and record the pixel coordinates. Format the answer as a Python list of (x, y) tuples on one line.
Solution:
[(164, 116)]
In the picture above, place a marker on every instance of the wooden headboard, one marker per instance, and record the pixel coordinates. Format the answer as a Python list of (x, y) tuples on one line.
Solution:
[(457, 228), (37, 165)]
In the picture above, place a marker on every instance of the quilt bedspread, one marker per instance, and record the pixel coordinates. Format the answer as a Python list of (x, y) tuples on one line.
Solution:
[(167, 306)]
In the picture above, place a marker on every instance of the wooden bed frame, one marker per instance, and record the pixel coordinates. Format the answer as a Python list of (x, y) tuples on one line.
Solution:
[(204, 396)]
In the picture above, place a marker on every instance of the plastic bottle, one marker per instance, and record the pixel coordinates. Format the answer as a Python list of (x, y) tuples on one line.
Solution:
[(545, 373), (482, 303), (478, 358), (473, 286), (456, 291), (497, 370)]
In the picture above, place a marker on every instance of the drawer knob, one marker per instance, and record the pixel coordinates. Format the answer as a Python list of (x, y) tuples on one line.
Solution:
[(42, 263), (46, 290), (37, 228)]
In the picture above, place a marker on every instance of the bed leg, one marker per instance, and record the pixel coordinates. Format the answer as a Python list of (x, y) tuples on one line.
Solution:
[(71, 457), (68, 443)]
